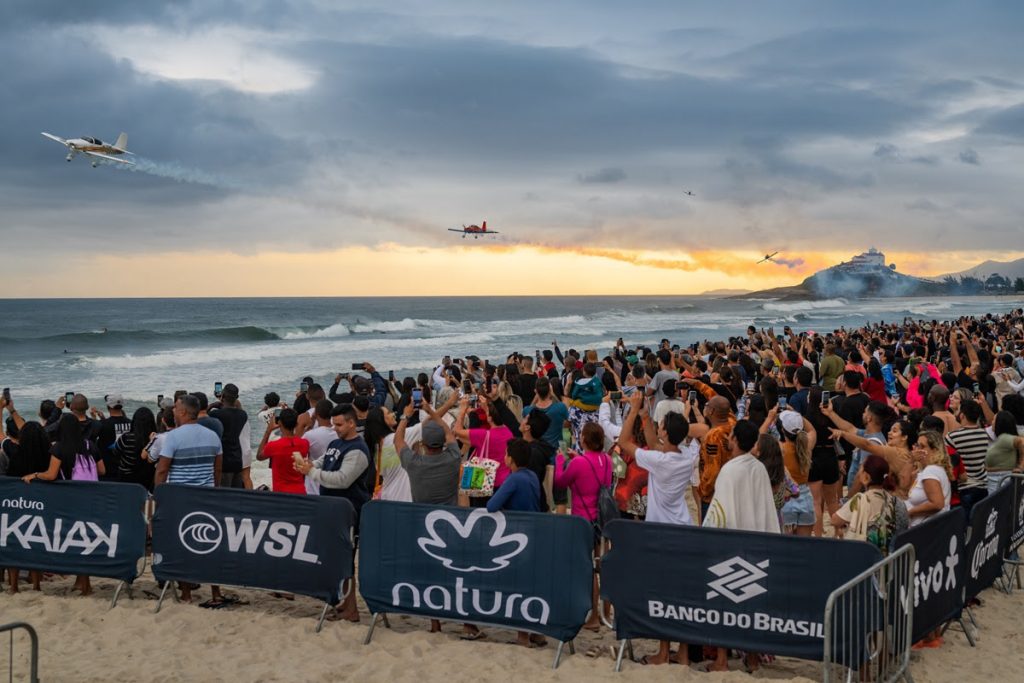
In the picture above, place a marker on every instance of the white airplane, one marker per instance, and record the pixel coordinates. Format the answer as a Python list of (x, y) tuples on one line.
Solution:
[(95, 148)]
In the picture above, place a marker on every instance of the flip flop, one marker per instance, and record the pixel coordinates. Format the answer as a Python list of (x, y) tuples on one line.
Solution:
[(214, 604)]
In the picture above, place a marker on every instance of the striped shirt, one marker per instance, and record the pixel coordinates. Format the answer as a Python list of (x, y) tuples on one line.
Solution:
[(971, 444), (192, 450)]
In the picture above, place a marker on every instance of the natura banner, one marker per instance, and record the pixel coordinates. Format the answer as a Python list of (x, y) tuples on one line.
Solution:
[(521, 570)]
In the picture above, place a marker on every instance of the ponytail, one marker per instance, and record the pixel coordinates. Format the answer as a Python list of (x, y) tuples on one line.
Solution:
[(801, 445)]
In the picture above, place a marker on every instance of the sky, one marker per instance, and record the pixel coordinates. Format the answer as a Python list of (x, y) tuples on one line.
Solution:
[(308, 147)]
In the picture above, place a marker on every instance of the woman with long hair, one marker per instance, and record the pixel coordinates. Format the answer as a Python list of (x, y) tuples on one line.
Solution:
[(931, 491), (72, 457), (1006, 453), (133, 467), (797, 443), (875, 514), (824, 479), (33, 455)]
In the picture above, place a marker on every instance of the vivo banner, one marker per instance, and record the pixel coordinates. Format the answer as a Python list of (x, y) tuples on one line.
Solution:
[(275, 541), (520, 570), (751, 591), (73, 527), (939, 562), (1017, 512), (989, 537)]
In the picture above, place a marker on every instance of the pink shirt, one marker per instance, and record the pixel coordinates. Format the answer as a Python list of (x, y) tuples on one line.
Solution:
[(495, 449), (584, 477)]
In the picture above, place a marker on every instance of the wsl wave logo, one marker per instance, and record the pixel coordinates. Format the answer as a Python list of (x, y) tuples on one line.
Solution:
[(466, 547), (201, 534), (737, 579)]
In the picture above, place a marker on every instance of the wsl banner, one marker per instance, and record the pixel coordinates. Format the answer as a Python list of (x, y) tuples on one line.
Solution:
[(275, 541), (521, 570), (758, 592), (73, 527), (939, 563), (990, 528)]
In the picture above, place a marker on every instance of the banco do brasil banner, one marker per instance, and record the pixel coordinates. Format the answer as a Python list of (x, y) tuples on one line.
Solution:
[(276, 541), (520, 570), (753, 591), (72, 527)]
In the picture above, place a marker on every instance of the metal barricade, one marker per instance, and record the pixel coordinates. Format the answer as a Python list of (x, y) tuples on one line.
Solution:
[(33, 655), (1012, 561), (868, 628)]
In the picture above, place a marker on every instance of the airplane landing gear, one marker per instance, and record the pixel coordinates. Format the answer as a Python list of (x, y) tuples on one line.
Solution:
[(69, 157), (95, 164)]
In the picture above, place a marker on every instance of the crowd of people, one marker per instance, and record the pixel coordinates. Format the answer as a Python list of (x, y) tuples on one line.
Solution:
[(857, 433)]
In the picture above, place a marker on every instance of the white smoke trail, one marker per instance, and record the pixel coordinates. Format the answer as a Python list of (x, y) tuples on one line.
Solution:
[(789, 263), (179, 173)]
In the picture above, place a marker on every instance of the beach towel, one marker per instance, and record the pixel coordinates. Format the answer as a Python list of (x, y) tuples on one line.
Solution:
[(743, 497)]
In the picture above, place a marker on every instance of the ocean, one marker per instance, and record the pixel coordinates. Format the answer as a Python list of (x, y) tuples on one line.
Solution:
[(145, 347)]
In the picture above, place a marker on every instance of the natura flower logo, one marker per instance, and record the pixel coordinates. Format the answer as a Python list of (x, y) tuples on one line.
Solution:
[(455, 554)]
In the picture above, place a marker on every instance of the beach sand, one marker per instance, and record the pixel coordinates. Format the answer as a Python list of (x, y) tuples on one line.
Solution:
[(272, 639)]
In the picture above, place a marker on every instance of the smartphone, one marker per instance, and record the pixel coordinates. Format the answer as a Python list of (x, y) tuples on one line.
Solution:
[(358, 366), (304, 386), (391, 375), (218, 387), (159, 400), (277, 413), (825, 396), (7, 393), (537, 353), (467, 386), (615, 396), (69, 395), (783, 403), (417, 398), (977, 388), (692, 396), (750, 387), (472, 400)]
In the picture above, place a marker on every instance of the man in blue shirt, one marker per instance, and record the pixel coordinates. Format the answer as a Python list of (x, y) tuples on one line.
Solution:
[(521, 490), (804, 378)]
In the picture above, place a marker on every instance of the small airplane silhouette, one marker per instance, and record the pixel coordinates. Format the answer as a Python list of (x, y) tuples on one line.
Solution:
[(95, 148), (689, 193), (474, 230), (768, 257)]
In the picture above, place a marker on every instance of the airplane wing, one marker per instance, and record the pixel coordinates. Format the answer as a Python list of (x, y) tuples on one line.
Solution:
[(492, 232), (55, 138), (110, 158), (455, 230)]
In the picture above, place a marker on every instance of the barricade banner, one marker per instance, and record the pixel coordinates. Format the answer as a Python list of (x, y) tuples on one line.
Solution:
[(276, 541), (1017, 518), (73, 527), (939, 563), (752, 591), (520, 570), (990, 527)]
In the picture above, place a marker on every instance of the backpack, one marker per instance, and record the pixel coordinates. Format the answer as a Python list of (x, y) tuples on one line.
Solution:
[(85, 466), (607, 508)]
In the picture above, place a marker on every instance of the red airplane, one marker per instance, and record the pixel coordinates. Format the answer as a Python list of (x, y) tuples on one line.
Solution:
[(474, 230)]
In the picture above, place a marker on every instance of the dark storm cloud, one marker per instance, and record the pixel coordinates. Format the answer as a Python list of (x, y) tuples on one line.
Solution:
[(415, 107)]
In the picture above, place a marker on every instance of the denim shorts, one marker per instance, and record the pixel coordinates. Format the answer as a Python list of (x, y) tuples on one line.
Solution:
[(799, 511)]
